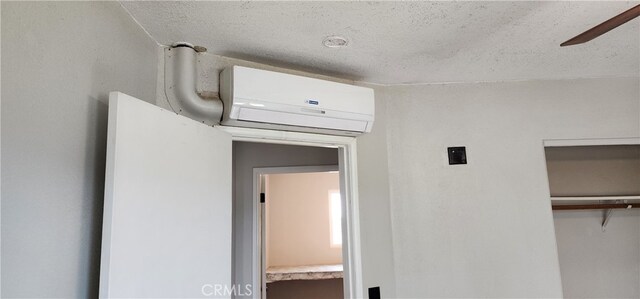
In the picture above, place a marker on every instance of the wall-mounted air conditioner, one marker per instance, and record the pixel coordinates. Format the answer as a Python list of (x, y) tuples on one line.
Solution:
[(265, 99)]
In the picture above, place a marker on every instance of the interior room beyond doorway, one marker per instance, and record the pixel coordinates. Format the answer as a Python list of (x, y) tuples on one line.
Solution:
[(303, 234)]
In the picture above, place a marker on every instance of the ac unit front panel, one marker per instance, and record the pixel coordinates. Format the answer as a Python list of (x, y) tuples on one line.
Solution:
[(290, 128), (300, 91), (284, 118), (271, 100)]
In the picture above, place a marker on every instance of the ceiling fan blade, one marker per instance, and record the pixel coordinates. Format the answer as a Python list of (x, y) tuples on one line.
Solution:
[(605, 27)]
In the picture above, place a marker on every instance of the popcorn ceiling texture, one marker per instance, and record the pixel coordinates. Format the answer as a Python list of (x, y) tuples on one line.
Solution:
[(406, 42)]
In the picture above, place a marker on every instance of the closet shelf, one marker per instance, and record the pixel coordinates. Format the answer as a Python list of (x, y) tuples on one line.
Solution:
[(311, 272)]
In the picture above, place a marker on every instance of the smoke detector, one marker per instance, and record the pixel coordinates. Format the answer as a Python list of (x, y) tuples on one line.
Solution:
[(335, 41)]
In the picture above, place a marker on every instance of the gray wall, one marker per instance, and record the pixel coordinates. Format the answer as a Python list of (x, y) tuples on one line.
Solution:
[(59, 61), (375, 210), (485, 229), (247, 156)]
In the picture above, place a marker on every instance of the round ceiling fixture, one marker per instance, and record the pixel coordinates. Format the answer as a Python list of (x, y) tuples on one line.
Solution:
[(335, 41)]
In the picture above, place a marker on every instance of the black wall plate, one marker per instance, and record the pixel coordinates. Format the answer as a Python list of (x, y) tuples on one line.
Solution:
[(457, 155)]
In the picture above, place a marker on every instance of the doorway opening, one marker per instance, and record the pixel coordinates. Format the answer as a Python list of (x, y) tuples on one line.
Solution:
[(301, 232), (257, 152)]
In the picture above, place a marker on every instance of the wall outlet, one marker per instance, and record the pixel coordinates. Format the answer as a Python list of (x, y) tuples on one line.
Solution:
[(374, 293)]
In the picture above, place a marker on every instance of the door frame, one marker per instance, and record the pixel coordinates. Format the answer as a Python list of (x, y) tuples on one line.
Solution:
[(259, 187), (347, 162)]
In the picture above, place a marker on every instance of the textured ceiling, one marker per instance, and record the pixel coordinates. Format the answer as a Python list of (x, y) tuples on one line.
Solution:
[(406, 42)]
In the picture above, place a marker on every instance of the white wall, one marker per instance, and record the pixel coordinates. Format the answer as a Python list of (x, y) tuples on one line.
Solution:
[(298, 219), (59, 61), (486, 229)]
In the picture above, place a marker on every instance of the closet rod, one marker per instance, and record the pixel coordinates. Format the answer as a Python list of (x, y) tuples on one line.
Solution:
[(595, 206), (583, 198)]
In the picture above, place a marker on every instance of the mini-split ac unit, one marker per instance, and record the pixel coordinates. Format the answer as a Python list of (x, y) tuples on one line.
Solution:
[(272, 100)]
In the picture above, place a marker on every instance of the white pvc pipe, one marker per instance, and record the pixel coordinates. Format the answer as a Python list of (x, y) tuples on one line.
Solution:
[(180, 87)]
